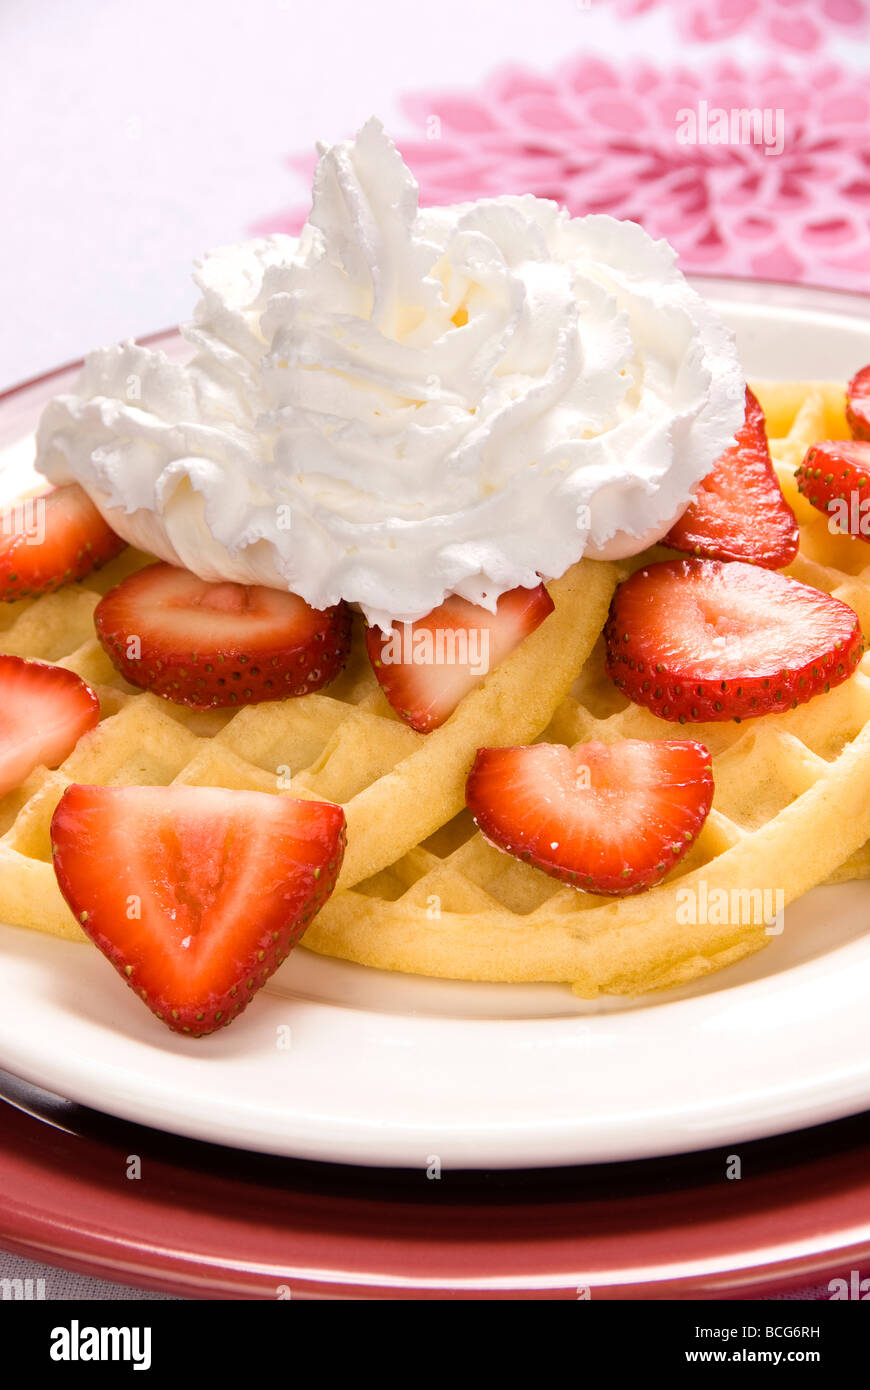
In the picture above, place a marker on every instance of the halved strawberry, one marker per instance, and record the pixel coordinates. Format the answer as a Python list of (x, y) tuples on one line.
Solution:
[(49, 540), (44, 710), (696, 639), (210, 645), (858, 404), (835, 478), (426, 668), (608, 818), (195, 894), (739, 512)]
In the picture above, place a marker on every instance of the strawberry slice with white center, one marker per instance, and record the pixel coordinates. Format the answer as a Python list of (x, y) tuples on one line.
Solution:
[(44, 710), (425, 668), (699, 640), (212, 645), (739, 512), (195, 894), (606, 818), (835, 477), (50, 540), (858, 404)]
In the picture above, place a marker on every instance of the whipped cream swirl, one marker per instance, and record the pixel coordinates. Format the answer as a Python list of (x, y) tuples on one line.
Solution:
[(402, 403)]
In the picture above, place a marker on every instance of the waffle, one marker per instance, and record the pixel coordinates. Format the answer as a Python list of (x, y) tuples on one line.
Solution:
[(344, 744), (790, 811)]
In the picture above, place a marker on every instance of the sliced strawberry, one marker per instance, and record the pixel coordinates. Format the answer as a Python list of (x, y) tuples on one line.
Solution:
[(195, 894), (427, 667), (858, 404), (44, 710), (608, 818), (209, 645), (696, 639), (47, 541), (739, 512), (835, 478)]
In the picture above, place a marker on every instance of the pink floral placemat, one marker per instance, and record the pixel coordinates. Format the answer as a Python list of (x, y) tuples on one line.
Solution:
[(751, 163), (799, 26)]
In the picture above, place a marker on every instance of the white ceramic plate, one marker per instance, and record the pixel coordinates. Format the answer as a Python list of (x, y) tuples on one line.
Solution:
[(395, 1070)]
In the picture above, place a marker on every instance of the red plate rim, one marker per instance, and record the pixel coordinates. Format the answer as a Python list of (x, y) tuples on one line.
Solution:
[(209, 1222)]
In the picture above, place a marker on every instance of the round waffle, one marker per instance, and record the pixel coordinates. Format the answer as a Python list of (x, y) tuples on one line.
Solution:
[(421, 890)]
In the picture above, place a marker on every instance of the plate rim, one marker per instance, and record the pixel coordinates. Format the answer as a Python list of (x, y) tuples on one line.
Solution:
[(622, 1235)]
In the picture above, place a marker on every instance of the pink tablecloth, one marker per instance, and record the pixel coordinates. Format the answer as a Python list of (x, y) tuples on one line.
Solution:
[(747, 145)]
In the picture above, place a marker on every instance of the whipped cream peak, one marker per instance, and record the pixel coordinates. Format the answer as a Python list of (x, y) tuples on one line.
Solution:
[(405, 403)]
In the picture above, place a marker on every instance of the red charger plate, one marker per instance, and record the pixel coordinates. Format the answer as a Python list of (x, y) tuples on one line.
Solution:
[(209, 1222)]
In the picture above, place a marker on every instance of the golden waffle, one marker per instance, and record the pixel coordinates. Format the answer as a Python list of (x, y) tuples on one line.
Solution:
[(343, 744), (790, 811)]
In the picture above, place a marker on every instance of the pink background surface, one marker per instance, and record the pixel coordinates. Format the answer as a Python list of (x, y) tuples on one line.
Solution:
[(601, 137), (136, 137)]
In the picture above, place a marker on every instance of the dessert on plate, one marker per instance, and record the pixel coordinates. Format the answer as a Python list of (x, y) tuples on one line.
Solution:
[(378, 622)]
